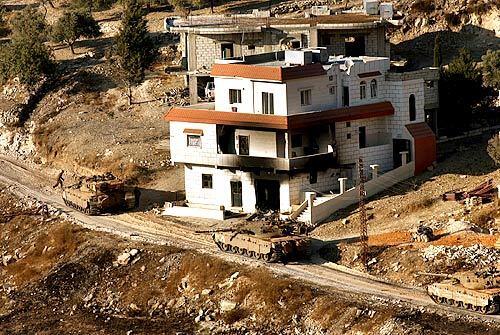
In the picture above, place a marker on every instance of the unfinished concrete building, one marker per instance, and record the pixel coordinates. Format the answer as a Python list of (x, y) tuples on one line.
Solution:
[(205, 39)]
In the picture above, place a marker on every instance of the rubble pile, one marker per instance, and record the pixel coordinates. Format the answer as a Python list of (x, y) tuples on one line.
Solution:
[(476, 255), (296, 6), (177, 96)]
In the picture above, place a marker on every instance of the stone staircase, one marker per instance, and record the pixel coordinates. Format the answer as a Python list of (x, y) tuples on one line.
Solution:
[(305, 215)]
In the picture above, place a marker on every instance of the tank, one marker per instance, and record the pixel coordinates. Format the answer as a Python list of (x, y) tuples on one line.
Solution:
[(475, 291), (264, 242), (99, 194)]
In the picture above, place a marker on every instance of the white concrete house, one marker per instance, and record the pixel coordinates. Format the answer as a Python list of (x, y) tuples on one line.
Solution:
[(292, 122)]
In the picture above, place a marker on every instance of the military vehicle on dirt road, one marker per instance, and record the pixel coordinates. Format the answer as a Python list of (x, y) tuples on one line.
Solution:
[(99, 194), (264, 242), (475, 291)]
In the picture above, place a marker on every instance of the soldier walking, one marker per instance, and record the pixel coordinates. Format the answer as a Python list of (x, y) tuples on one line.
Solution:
[(60, 180)]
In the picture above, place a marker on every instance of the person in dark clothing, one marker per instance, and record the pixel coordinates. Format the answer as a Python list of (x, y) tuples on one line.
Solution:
[(60, 179), (137, 194)]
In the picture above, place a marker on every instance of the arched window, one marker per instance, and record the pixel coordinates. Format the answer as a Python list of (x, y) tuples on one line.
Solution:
[(373, 88), (413, 109), (362, 90)]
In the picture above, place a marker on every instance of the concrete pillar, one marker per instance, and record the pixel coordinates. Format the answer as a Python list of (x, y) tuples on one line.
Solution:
[(343, 183), (310, 196), (374, 168), (193, 89), (404, 157), (313, 37)]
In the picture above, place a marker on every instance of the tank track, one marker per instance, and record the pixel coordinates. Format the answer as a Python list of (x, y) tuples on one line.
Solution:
[(88, 210), (272, 257), (492, 308)]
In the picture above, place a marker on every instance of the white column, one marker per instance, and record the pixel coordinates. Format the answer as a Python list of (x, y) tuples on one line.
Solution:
[(342, 182), (374, 168), (404, 157)]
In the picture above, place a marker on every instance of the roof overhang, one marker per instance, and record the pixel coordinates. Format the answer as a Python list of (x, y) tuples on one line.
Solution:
[(271, 73), (290, 122)]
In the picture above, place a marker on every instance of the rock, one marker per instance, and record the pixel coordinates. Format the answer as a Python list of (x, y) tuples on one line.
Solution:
[(206, 291), (226, 305), (134, 307), (198, 319), (133, 252), (6, 260), (372, 261), (234, 276), (345, 221), (123, 259)]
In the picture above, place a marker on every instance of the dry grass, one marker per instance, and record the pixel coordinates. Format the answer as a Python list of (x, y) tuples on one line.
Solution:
[(484, 216), (419, 204), (49, 248)]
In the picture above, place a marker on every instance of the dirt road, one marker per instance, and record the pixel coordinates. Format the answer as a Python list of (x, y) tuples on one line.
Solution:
[(25, 180)]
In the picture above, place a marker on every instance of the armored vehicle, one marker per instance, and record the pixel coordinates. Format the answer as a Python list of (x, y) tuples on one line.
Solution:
[(265, 242), (98, 194), (475, 291), (423, 234)]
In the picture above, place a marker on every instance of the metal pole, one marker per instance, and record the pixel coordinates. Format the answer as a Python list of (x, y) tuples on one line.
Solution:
[(362, 215)]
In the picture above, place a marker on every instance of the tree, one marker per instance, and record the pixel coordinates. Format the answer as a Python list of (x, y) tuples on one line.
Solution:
[(494, 148), (26, 56), (491, 69), (134, 48), (73, 25), (460, 91), (93, 5), (183, 6), (438, 55), (3, 24)]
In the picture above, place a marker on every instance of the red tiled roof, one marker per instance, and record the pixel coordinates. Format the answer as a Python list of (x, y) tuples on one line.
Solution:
[(420, 130), (296, 121), (275, 73), (369, 74)]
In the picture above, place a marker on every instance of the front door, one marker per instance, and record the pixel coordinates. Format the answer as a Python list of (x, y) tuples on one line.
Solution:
[(236, 194), (244, 145), (267, 193)]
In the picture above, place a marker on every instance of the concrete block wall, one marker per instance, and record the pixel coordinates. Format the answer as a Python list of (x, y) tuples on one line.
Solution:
[(348, 149), (220, 194), (262, 143), (179, 150), (299, 183), (324, 210), (398, 93), (381, 155)]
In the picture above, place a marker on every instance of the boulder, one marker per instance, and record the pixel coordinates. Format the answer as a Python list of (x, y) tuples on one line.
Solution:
[(227, 305)]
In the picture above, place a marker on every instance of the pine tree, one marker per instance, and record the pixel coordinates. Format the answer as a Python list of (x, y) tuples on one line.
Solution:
[(438, 56), (73, 25), (26, 56), (134, 48)]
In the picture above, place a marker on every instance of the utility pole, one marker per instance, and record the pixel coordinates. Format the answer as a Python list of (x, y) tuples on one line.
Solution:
[(363, 224)]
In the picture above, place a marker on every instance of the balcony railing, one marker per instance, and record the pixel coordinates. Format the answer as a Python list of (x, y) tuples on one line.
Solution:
[(277, 163)]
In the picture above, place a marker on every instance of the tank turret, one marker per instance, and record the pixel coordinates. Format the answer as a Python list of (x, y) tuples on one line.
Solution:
[(264, 242), (98, 194), (473, 290)]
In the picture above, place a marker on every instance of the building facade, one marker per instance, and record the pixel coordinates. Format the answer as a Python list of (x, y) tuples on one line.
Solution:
[(206, 39), (290, 122)]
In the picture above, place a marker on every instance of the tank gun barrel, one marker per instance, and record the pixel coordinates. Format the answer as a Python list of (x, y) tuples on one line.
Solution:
[(221, 230), (441, 275)]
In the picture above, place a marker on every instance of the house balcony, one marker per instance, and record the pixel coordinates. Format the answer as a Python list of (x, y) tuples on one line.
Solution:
[(321, 160)]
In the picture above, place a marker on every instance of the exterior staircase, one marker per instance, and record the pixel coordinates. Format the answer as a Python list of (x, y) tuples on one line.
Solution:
[(305, 214)]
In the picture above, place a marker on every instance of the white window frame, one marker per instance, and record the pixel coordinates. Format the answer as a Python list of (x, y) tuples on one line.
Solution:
[(236, 94), (332, 89), (373, 88), (210, 182), (306, 97), (192, 144), (362, 90), (267, 103)]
